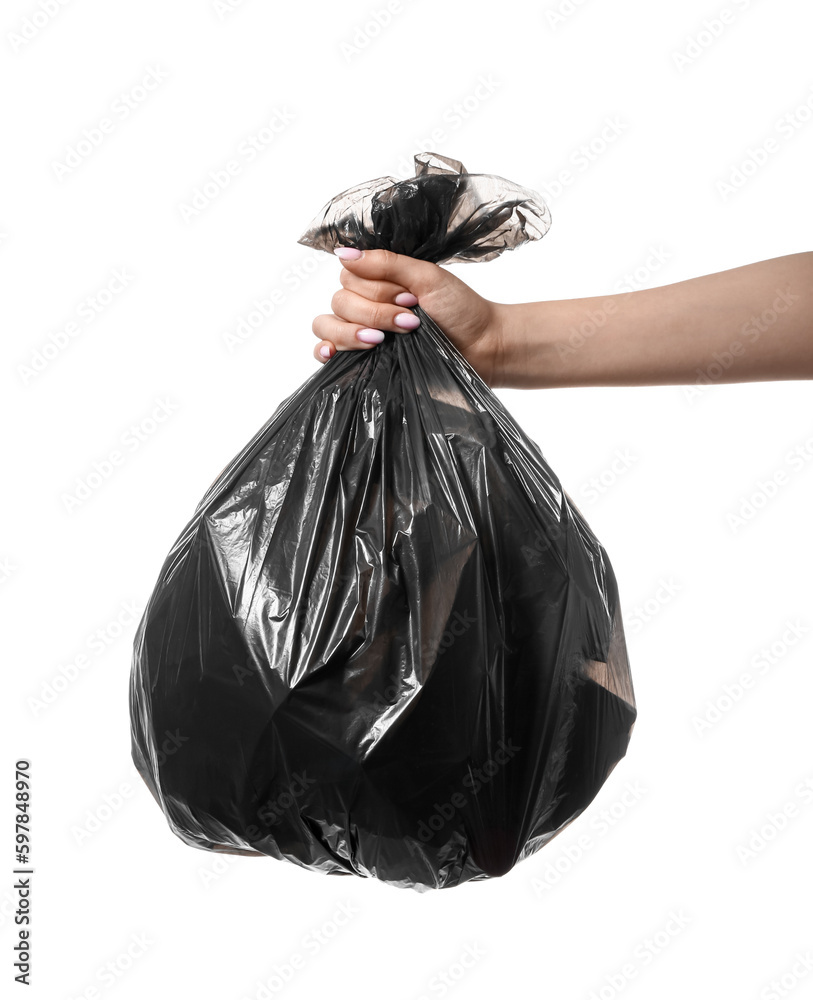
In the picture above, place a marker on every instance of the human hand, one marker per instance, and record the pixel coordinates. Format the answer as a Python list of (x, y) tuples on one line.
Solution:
[(378, 284)]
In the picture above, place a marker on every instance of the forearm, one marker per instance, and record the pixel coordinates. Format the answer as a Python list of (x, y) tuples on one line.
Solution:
[(748, 324)]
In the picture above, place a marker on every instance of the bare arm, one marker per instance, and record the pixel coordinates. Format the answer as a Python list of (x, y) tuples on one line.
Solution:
[(748, 324), (752, 323)]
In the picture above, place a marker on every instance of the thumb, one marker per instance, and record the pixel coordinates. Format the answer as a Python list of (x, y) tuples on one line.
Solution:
[(417, 276)]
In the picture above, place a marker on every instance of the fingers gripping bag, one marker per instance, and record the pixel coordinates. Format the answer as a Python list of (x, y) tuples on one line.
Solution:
[(387, 644)]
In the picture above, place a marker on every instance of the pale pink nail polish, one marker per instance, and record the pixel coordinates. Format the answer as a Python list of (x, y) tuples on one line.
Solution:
[(370, 336), (324, 350), (347, 253), (406, 299), (407, 321)]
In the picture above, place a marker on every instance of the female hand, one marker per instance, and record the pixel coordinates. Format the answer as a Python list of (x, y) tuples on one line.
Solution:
[(378, 284), (758, 317)]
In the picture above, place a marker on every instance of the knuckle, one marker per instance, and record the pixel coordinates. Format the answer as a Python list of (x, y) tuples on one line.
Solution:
[(337, 300), (386, 262), (380, 291), (320, 325), (380, 316)]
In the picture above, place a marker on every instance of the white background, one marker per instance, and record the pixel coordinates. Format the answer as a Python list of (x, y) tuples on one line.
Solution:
[(107, 866)]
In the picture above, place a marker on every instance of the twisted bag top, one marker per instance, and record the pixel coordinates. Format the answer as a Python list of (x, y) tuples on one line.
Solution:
[(387, 643)]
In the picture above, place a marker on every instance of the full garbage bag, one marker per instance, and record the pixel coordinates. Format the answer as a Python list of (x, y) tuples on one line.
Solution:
[(387, 643)]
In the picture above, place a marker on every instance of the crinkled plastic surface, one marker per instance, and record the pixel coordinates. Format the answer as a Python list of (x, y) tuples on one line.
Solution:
[(387, 643), (441, 214)]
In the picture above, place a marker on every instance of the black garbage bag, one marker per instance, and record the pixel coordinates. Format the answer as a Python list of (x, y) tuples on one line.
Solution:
[(387, 643)]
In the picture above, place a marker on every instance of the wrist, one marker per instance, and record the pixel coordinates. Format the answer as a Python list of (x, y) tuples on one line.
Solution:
[(503, 345), (523, 346)]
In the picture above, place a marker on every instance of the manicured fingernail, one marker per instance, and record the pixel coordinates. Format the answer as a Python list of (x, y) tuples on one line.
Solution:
[(406, 299), (369, 336), (347, 253), (324, 350), (407, 321)]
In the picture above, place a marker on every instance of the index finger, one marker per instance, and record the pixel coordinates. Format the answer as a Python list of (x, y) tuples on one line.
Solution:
[(377, 290)]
